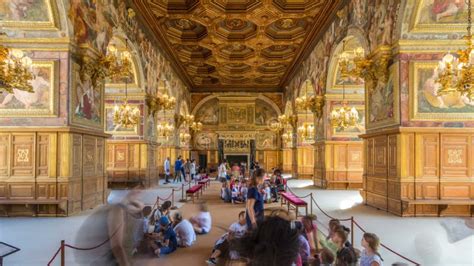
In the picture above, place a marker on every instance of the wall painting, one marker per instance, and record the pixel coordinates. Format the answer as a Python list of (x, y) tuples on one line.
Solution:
[(41, 102), (426, 104), (30, 14)]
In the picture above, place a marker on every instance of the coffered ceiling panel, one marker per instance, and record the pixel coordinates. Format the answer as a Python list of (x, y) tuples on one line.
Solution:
[(236, 45)]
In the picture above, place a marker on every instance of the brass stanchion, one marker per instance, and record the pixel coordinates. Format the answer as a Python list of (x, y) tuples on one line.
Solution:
[(63, 253)]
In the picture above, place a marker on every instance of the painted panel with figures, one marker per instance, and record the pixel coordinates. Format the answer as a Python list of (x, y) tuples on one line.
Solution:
[(30, 14), (427, 104), (41, 102)]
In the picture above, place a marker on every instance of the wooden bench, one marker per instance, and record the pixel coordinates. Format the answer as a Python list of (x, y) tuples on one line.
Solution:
[(193, 190), (28, 202), (205, 183), (291, 199), (441, 203)]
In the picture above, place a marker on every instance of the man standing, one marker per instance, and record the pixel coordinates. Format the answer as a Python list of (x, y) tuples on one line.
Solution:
[(167, 168), (177, 169), (222, 171)]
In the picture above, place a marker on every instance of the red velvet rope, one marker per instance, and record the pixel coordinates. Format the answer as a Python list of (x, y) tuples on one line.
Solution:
[(389, 249)]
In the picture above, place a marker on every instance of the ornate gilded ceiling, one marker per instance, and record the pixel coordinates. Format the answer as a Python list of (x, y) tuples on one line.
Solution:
[(221, 45)]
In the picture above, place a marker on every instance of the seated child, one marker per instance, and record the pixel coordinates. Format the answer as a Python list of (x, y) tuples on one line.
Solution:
[(202, 222), (221, 248), (236, 198), (324, 257), (225, 192), (164, 210), (163, 240), (184, 231)]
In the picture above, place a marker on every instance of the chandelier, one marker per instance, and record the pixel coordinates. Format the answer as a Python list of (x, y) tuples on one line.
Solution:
[(287, 137), (456, 74), (125, 115), (15, 70), (184, 137), (161, 102), (118, 63), (165, 130), (345, 116), (196, 126), (306, 131)]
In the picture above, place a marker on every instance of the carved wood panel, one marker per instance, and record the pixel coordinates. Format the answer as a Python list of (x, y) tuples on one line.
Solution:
[(42, 168), (23, 154), (4, 152), (454, 156)]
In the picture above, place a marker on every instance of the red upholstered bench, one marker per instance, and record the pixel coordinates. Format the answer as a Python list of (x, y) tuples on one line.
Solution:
[(205, 182), (193, 190), (291, 199)]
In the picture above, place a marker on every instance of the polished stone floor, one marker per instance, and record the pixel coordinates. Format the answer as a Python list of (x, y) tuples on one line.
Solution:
[(425, 240)]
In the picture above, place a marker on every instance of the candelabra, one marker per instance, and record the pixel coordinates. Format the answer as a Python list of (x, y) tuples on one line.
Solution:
[(456, 74)]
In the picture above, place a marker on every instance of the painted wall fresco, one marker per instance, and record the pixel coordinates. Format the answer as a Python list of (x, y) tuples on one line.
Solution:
[(24, 10), (427, 104), (350, 132), (442, 11), (208, 114), (42, 101), (264, 113), (266, 140), (94, 24), (112, 128), (205, 141), (86, 99)]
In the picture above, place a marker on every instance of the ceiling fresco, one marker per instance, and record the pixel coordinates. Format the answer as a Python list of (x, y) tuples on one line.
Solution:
[(225, 45)]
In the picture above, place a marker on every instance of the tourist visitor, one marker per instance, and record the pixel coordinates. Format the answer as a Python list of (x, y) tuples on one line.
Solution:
[(221, 248), (324, 258), (254, 206), (222, 171), (187, 170), (167, 169), (370, 255), (170, 242), (345, 255), (177, 170), (184, 231), (202, 222), (226, 195), (304, 248), (163, 210), (192, 169), (183, 171), (311, 231), (273, 242), (236, 197)]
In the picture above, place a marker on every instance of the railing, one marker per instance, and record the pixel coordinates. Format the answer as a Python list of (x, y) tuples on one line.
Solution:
[(62, 248), (353, 223)]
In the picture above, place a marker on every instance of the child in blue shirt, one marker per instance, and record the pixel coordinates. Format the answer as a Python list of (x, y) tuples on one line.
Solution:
[(170, 242)]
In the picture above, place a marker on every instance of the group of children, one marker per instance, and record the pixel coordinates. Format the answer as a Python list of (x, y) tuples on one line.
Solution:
[(163, 233), (235, 189)]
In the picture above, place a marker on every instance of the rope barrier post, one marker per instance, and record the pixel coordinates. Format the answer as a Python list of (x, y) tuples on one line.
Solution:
[(352, 230), (182, 192), (63, 255), (311, 203), (172, 197)]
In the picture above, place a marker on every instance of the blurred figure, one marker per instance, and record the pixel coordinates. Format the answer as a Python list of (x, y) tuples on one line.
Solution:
[(121, 224), (184, 231), (167, 167), (202, 222)]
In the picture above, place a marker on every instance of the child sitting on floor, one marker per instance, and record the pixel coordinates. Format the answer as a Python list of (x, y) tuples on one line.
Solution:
[(225, 192), (202, 222), (170, 242), (221, 248), (236, 198)]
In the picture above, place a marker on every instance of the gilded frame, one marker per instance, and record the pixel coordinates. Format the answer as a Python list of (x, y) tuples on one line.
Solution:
[(414, 78), (394, 73), (73, 102), (133, 132), (416, 27), (360, 109), (51, 24), (52, 111)]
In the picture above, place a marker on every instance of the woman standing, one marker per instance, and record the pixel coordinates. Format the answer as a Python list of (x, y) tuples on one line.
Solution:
[(254, 205), (370, 256), (192, 169)]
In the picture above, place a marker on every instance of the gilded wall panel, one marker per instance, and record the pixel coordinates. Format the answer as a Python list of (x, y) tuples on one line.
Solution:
[(42, 168)]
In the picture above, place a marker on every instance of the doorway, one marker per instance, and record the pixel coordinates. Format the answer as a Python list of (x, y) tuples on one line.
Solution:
[(237, 158)]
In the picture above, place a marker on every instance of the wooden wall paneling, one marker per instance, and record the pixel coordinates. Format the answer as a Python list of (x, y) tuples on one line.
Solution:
[(427, 166), (23, 156), (101, 184), (89, 177), (4, 155), (74, 182)]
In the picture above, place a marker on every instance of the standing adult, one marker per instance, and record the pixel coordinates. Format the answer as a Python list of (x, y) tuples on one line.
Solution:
[(254, 206), (187, 169), (192, 169), (167, 167), (222, 171), (177, 169), (183, 172)]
